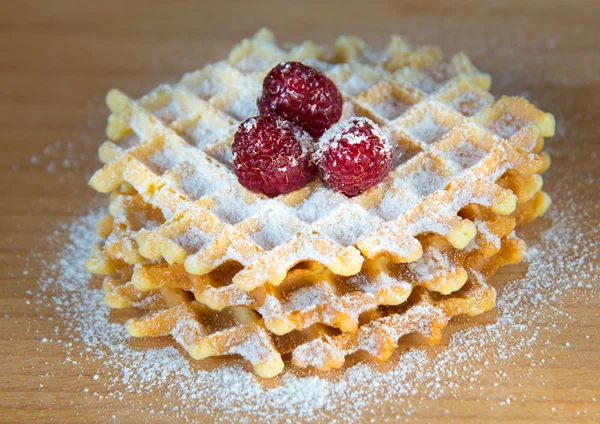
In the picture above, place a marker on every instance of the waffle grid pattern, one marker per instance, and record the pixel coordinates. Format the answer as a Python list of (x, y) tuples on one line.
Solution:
[(195, 188), (311, 260)]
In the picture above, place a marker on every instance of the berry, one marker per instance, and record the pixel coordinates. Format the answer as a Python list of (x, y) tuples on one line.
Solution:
[(272, 155), (353, 156), (303, 95)]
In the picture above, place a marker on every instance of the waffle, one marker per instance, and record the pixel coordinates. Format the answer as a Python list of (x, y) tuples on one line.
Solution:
[(205, 332), (185, 240), (339, 300), (178, 310)]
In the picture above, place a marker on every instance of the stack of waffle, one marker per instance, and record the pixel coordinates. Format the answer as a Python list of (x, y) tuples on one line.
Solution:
[(313, 273)]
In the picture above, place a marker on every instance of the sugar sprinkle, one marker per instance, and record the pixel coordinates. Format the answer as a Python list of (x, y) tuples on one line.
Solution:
[(562, 261)]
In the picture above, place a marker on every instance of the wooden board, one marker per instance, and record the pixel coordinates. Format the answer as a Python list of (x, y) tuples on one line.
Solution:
[(59, 58)]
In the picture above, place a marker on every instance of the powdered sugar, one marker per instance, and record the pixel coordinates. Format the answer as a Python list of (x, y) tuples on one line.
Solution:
[(196, 178), (209, 87), (427, 129), (163, 160), (252, 63), (306, 297), (243, 104), (391, 108), (469, 103), (229, 391), (192, 239), (506, 125), (429, 264), (347, 225), (380, 282), (185, 330), (253, 349), (426, 180), (205, 133), (278, 227), (318, 205), (395, 203), (59, 155), (433, 79), (490, 237), (230, 207), (465, 154), (355, 84), (169, 113)]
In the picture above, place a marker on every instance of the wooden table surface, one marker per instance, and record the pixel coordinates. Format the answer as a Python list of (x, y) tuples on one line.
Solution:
[(59, 58)]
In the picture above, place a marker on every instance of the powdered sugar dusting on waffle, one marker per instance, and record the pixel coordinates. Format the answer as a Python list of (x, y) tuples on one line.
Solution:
[(185, 329), (430, 264), (254, 349), (427, 129), (319, 204), (507, 125), (210, 87), (165, 159), (535, 300), (169, 113), (394, 204), (226, 93), (192, 239), (349, 224), (432, 80), (239, 99), (277, 228), (355, 84), (205, 133), (465, 154), (485, 230), (309, 296), (233, 208), (381, 281), (391, 108), (469, 103), (426, 180)]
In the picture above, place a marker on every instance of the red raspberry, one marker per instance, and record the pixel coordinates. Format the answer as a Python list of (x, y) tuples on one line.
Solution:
[(303, 95), (272, 155), (353, 156)]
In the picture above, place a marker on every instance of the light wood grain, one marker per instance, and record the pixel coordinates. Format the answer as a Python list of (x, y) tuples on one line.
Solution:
[(58, 59)]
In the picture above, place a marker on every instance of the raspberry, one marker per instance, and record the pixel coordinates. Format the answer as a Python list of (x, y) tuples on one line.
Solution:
[(303, 95), (353, 156), (272, 155)]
